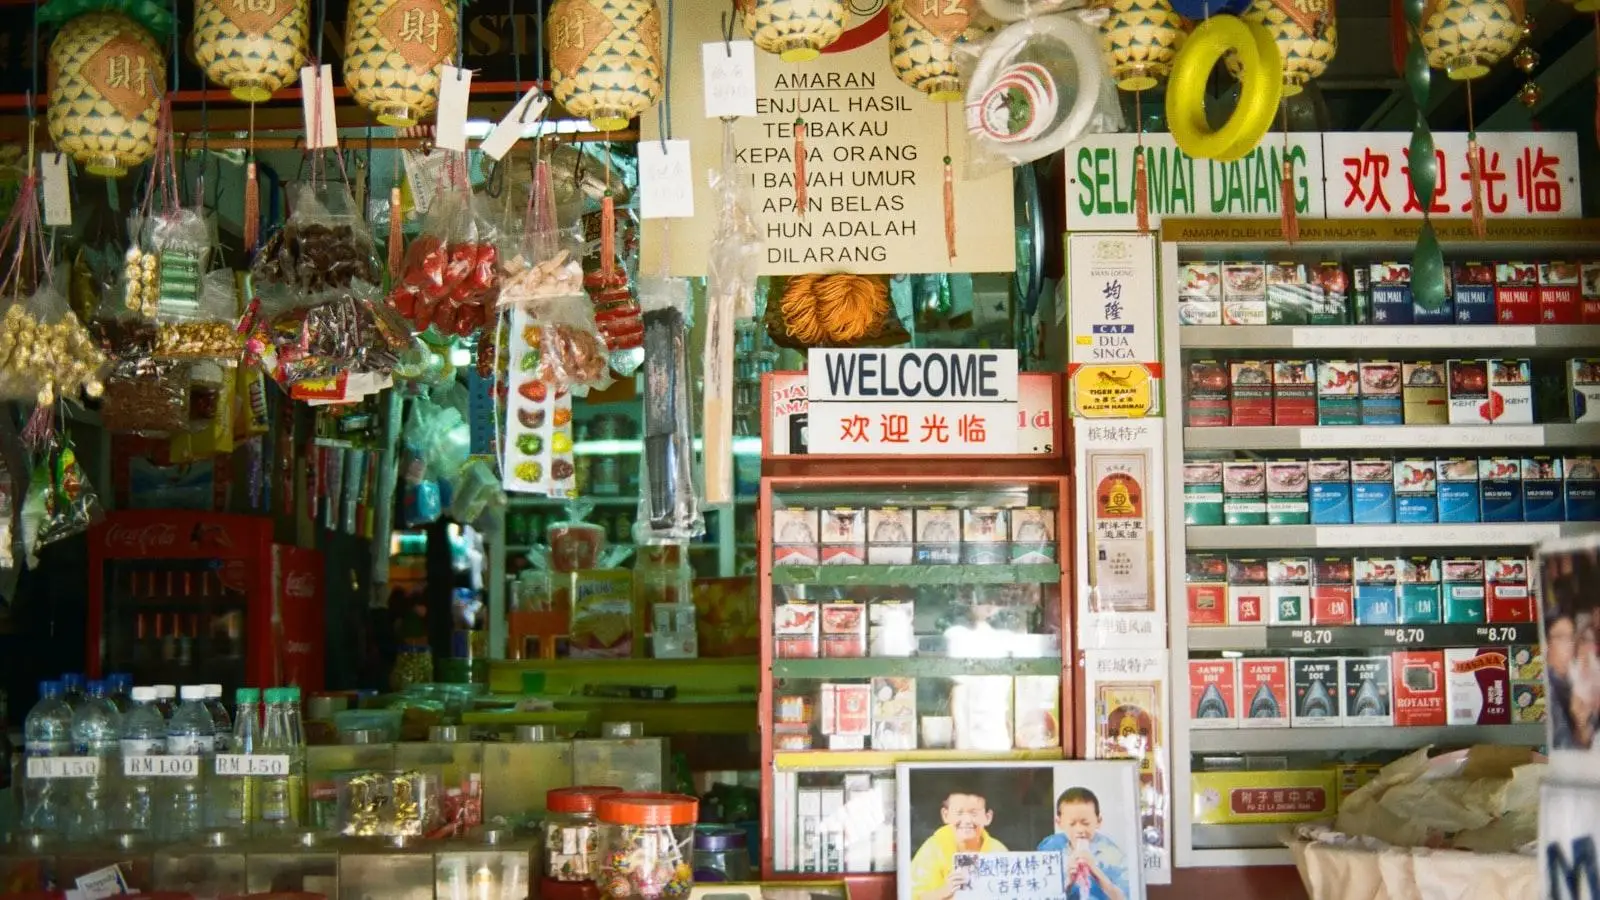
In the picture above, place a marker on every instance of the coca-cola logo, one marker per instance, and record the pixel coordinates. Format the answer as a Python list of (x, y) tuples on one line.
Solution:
[(300, 585), (297, 648), (142, 539)]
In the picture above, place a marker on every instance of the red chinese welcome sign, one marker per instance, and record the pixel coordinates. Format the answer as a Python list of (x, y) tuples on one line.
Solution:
[(1524, 175)]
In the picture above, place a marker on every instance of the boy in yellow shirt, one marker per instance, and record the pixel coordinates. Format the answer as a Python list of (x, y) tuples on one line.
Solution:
[(966, 818)]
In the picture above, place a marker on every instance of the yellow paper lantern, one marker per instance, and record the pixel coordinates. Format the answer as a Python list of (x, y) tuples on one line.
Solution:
[(796, 30), (251, 47), (1140, 39), (1306, 35), (1466, 37), (107, 76), (923, 35), (392, 53), (605, 58)]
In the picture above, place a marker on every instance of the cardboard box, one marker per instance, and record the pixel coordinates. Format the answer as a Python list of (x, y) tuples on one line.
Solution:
[(891, 628), (1458, 496), (1361, 295), (1367, 685), (1318, 692), (1372, 491), (1244, 293), (1473, 297), (795, 630), (1288, 497), (1464, 590), (1264, 698), (1500, 489), (1377, 590), (1353, 776), (1583, 389), (1420, 590), (1330, 491), (1416, 494), (1205, 581), (938, 535), (1381, 397), (1338, 392), (1509, 598), (1333, 591), (1542, 490), (1516, 293), (844, 526), (1581, 486), (794, 536), (1477, 686), (1247, 591), (1263, 797), (1469, 391), (1289, 591), (1331, 304), (1511, 391), (983, 535), (1036, 712), (889, 536), (894, 713), (1202, 493), (1425, 398), (1526, 662), (844, 630), (1207, 398), (1244, 492), (1528, 704), (1294, 392), (1589, 292), (1419, 687), (1199, 293), (1033, 535), (1391, 294), (1290, 295), (1251, 397), (1213, 693), (1559, 300)]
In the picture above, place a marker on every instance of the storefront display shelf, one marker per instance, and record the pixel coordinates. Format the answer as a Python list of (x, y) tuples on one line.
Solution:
[(848, 576), (886, 759), (1340, 740), (913, 667), (1357, 637), (1392, 337), (1297, 537), (1376, 437)]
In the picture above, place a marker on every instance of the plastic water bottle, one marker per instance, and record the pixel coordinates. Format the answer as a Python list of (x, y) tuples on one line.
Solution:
[(119, 684), (190, 732), (72, 688), (47, 732), (166, 697), (235, 798), (144, 733), (297, 754), (276, 804), (220, 723), (94, 733)]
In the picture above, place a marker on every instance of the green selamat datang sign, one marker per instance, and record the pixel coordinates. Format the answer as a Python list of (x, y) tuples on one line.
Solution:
[(1100, 186)]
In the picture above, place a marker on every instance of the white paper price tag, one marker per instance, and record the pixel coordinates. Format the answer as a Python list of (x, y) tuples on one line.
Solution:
[(666, 186), (63, 767), (506, 134), (161, 766), (316, 101), (252, 764), (455, 87), (730, 78), (102, 883), (57, 193)]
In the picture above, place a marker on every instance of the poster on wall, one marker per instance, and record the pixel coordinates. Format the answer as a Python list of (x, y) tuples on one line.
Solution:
[(1569, 609), (874, 152), (1018, 831), (1125, 717), (1119, 551), (1114, 358)]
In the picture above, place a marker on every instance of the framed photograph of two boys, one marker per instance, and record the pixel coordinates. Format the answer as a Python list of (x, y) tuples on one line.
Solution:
[(1018, 831)]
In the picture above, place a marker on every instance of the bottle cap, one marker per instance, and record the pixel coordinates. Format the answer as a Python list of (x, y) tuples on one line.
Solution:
[(192, 692), (213, 691), (122, 680), (97, 688), (292, 693), (71, 681), (273, 695), (247, 695), (49, 688), (165, 691), (143, 694)]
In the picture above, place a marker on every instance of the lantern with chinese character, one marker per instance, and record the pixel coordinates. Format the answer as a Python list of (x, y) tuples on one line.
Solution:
[(107, 75), (1466, 37), (1139, 39), (923, 35), (1306, 35), (796, 30), (251, 47), (392, 53), (605, 58)]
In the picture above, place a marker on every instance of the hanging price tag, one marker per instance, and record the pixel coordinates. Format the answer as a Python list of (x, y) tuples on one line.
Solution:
[(510, 130), (316, 100), (666, 187), (57, 194), (455, 86), (730, 77)]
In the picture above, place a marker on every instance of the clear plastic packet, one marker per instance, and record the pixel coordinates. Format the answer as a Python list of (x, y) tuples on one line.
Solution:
[(669, 505), (568, 352), (351, 331), (544, 260), (146, 397), (45, 352), (60, 502), (731, 268), (180, 241), (450, 277), (324, 246), (206, 329)]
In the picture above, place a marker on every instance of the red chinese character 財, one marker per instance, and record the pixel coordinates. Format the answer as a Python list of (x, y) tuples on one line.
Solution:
[(1365, 174)]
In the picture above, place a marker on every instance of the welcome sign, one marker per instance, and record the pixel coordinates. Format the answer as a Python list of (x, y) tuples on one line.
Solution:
[(930, 402)]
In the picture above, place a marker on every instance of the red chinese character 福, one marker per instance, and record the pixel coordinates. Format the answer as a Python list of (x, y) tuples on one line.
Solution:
[(894, 427), (1441, 186), (854, 429), (1365, 174), (935, 429), (972, 429), (1538, 185), (1494, 198)]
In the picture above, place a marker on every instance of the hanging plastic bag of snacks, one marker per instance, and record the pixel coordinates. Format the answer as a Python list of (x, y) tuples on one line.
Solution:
[(60, 502), (669, 508), (324, 246), (205, 330), (450, 278), (147, 397)]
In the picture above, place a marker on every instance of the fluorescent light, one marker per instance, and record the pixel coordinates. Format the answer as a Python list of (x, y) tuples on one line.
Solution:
[(746, 445), (480, 128)]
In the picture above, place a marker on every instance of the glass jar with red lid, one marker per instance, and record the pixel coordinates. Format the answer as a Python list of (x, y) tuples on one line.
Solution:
[(646, 850), (571, 838)]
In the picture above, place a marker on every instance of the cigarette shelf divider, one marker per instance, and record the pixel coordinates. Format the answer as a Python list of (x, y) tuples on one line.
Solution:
[(1357, 637), (886, 759), (1390, 437), (914, 666), (846, 576), (1354, 537), (1389, 337), (1350, 738)]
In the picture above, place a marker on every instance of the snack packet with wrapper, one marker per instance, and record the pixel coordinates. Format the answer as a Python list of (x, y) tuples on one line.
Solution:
[(450, 278)]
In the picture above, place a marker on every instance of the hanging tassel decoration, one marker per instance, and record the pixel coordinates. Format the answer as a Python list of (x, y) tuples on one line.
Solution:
[(1141, 187), (1480, 222), (396, 232), (608, 236), (252, 207), (800, 168), (949, 193), (1288, 216)]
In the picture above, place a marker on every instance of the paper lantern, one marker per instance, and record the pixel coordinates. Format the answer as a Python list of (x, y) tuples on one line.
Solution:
[(107, 77), (1466, 37), (922, 40), (1307, 40), (605, 58), (251, 47), (392, 53), (796, 30), (1139, 39)]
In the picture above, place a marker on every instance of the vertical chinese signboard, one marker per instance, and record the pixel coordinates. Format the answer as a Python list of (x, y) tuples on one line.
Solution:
[(1114, 363)]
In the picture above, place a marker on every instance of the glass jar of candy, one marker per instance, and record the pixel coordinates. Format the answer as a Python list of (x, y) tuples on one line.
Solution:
[(720, 854), (571, 835), (646, 850)]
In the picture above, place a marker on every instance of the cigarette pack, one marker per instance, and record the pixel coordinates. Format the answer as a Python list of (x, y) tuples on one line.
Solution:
[(1424, 395), (1559, 300), (1469, 391), (1473, 297), (1381, 397), (1509, 598), (1332, 300), (1391, 294), (1516, 293), (1464, 590), (1317, 692), (1542, 494), (1247, 591), (1582, 488), (1294, 392), (1361, 295), (844, 554), (1458, 490), (1288, 500), (795, 629), (938, 535), (795, 556), (1377, 592), (894, 713), (1289, 294), (1372, 491), (1420, 597), (1199, 293), (891, 628), (808, 829), (1033, 535), (1037, 712), (1202, 493), (846, 709), (844, 630), (1244, 293), (983, 535), (1251, 392), (1528, 704), (1367, 685), (889, 532), (844, 526), (1213, 693), (1264, 699), (1338, 393), (1511, 391), (794, 536), (1244, 492), (1583, 388), (1416, 491), (1419, 687), (792, 709), (1525, 662), (981, 705), (832, 830), (1289, 591), (1500, 489), (1333, 591), (1330, 491), (1207, 405), (1589, 291), (1477, 686), (1206, 589)]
